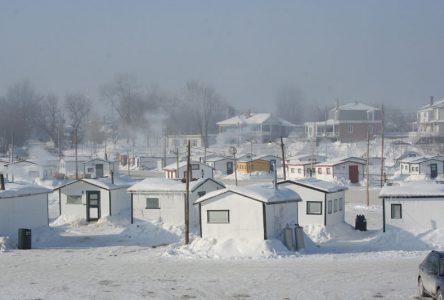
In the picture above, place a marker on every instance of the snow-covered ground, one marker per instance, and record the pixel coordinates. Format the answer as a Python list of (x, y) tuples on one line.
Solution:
[(117, 260)]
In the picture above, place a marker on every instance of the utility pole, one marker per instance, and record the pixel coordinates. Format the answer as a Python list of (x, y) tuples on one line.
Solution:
[(77, 166), (187, 198), (367, 193), (128, 162), (283, 159), (12, 157), (382, 146)]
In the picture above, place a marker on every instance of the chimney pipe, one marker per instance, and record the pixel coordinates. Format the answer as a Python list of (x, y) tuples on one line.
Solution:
[(112, 176), (2, 182), (431, 100)]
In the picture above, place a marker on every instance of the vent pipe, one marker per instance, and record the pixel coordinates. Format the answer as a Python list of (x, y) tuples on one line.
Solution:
[(431, 100), (112, 176), (2, 182)]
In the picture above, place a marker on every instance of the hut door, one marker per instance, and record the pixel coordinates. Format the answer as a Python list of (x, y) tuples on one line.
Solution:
[(433, 170), (229, 167), (92, 205), (99, 171), (353, 174)]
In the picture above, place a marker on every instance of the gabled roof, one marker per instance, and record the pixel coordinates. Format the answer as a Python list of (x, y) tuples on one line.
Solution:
[(218, 158), (413, 190), (253, 119), (173, 166), (21, 162), (102, 183), (342, 161), (168, 185), (21, 189), (259, 192), (356, 106), (301, 163), (420, 159), (437, 104), (317, 184), (98, 159)]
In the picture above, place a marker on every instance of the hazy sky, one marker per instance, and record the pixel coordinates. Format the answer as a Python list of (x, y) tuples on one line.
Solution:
[(372, 51)]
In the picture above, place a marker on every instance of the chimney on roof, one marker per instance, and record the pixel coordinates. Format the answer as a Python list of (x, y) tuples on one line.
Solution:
[(112, 176), (431, 100), (2, 182)]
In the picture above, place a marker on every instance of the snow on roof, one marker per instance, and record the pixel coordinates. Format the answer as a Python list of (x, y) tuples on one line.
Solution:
[(22, 162), (173, 166), (98, 159), (413, 190), (437, 104), (261, 192), (420, 159), (217, 158), (357, 106), (167, 185), (341, 161), (102, 183), (252, 119), (324, 186), (300, 163), (22, 189)]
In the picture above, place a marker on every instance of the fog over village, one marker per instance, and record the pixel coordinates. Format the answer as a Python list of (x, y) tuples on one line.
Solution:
[(221, 150)]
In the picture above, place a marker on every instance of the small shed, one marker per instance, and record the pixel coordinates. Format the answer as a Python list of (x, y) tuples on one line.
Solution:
[(22, 206), (91, 199), (155, 199), (23, 170), (323, 202), (255, 212), (302, 169), (221, 164), (69, 164), (428, 166), (98, 168), (415, 207), (148, 162), (348, 169), (198, 170)]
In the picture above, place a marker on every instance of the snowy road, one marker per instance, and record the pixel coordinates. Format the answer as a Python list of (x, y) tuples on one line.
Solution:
[(140, 273)]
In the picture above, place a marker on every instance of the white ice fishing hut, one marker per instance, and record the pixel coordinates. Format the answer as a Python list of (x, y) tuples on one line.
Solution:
[(161, 199), (91, 199), (22, 206), (257, 212), (323, 202)]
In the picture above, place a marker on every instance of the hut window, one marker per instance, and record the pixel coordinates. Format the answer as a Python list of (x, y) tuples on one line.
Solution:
[(292, 170), (201, 193), (396, 211), (90, 170), (335, 205), (218, 216), (319, 170), (152, 203), (314, 208), (329, 207), (328, 170), (73, 199), (299, 171), (341, 204), (195, 167)]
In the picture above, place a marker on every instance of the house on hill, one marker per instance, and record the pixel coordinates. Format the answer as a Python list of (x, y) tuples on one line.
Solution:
[(261, 127), (323, 202), (255, 212), (155, 199), (430, 123), (427, 166), (347, 123)]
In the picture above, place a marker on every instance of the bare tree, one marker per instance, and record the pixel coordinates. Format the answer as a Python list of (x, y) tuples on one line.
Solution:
[(205, 105), (51, 118), (78, 107), (290, 105)]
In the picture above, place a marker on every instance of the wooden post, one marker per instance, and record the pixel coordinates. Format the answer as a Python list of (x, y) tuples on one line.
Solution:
[(177, 162), (283, 159), (382, 147), (235, 168), (187, 198)]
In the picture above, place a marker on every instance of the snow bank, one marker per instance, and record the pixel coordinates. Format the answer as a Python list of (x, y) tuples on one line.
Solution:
[(5, 244), (230, 248)]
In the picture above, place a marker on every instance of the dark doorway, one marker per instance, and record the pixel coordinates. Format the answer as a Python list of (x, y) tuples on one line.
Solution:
[(92, 206)]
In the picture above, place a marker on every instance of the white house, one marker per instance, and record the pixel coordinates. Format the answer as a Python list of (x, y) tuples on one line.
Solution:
[(348, 169), (91, 199), (428, 166), (255, 212), (69, 164), (198, 170), (149, 162), (22, 206), (323, 202), (221, 164), (416, 207), (306, 157), (98, 168), (155, 199), (430, 123)]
